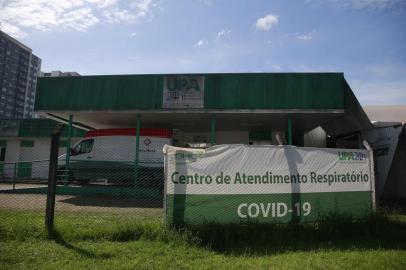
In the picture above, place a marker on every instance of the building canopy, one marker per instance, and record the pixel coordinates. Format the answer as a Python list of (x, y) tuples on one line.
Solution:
[(32, 128), (239, 100)]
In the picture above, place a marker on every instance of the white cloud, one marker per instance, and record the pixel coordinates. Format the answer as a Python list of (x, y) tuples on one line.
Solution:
[(12, 30), (223, 32), (117, 15), (137, 9), (20, 16), (267, 22), (79, 19), (276, 67), (133, 34), (134, 58), (106, 3), (380, 92), (384, 70), (186, 62), (200, 43), (218, 39), (305, 37), (364, 4), (206, 2), (141, 6)]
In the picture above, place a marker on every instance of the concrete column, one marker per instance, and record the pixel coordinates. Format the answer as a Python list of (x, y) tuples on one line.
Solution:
[(137, 149), (213, 129), (68, 147), (289, 130)]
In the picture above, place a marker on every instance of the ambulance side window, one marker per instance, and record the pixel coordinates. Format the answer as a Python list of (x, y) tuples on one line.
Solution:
[(83, 147)]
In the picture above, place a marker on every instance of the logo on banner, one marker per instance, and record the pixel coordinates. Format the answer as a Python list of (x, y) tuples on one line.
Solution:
[(183, 91), (352, 156)]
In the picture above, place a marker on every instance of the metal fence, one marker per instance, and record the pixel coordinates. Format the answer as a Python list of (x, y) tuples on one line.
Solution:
[(111, 187), (20, 174), (86, 188), (203, 185), (23, 187)]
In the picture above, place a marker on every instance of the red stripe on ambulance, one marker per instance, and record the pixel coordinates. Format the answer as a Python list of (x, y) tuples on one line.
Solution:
[(151, 132)]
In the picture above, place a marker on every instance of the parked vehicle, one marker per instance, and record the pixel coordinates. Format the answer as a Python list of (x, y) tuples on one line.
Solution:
[(108, 155)]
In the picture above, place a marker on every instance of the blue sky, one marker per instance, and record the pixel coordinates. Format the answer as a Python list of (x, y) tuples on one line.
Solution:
[(365, 39)]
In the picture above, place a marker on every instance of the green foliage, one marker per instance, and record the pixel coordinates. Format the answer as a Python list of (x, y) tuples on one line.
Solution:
[(100, 241), (378, 231)]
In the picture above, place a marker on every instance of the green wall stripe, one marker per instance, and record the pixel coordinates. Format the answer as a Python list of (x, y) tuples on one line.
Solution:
[(27, 143), (34, 128), (100, 92), (275, 91), (24, 169), (3, 143), (43, 128), (222, 91), (223, 208)]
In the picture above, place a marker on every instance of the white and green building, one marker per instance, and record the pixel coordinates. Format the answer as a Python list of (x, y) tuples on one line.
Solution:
[(301, 109), (25, 148)]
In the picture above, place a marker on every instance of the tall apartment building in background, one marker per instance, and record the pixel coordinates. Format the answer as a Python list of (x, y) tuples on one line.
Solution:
[(58, 73), (19, 69)]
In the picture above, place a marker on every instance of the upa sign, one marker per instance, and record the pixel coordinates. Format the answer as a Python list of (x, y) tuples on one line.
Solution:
[(265, 184), (183, 91)]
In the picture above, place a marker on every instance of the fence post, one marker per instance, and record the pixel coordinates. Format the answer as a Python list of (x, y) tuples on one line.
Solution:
[(15, 176), (289, 130), (137, 150), (53, 164), (372, 172), (68, 146), (213, 129)]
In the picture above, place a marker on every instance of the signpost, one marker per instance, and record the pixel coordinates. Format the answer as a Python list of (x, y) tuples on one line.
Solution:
[(265, 184)]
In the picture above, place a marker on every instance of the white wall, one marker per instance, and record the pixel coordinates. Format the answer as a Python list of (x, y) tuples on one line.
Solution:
[(41, 151), (39, 158), (12, 150), (12, 154)]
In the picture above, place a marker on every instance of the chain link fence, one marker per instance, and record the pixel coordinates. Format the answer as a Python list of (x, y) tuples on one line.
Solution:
[(23, 188), (226, 183), (111, 187), (96, 190)]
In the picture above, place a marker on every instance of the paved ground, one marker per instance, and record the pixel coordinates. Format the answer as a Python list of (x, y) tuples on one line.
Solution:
[(9, 186), (79, 203)]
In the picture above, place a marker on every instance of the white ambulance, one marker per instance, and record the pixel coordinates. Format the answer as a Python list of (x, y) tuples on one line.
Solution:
[(109, 155)]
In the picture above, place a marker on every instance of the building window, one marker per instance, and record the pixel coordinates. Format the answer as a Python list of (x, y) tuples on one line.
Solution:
[(2, 153)]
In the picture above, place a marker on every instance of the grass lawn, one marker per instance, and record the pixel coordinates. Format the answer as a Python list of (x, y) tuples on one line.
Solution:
[(83, 241)]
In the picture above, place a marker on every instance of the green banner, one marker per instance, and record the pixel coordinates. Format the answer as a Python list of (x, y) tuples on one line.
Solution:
[(266, 208), (266, 184)]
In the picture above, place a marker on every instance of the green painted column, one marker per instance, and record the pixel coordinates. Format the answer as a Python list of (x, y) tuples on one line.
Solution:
[(213, 129), (289, 130), (68, 147), (137, 150)]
